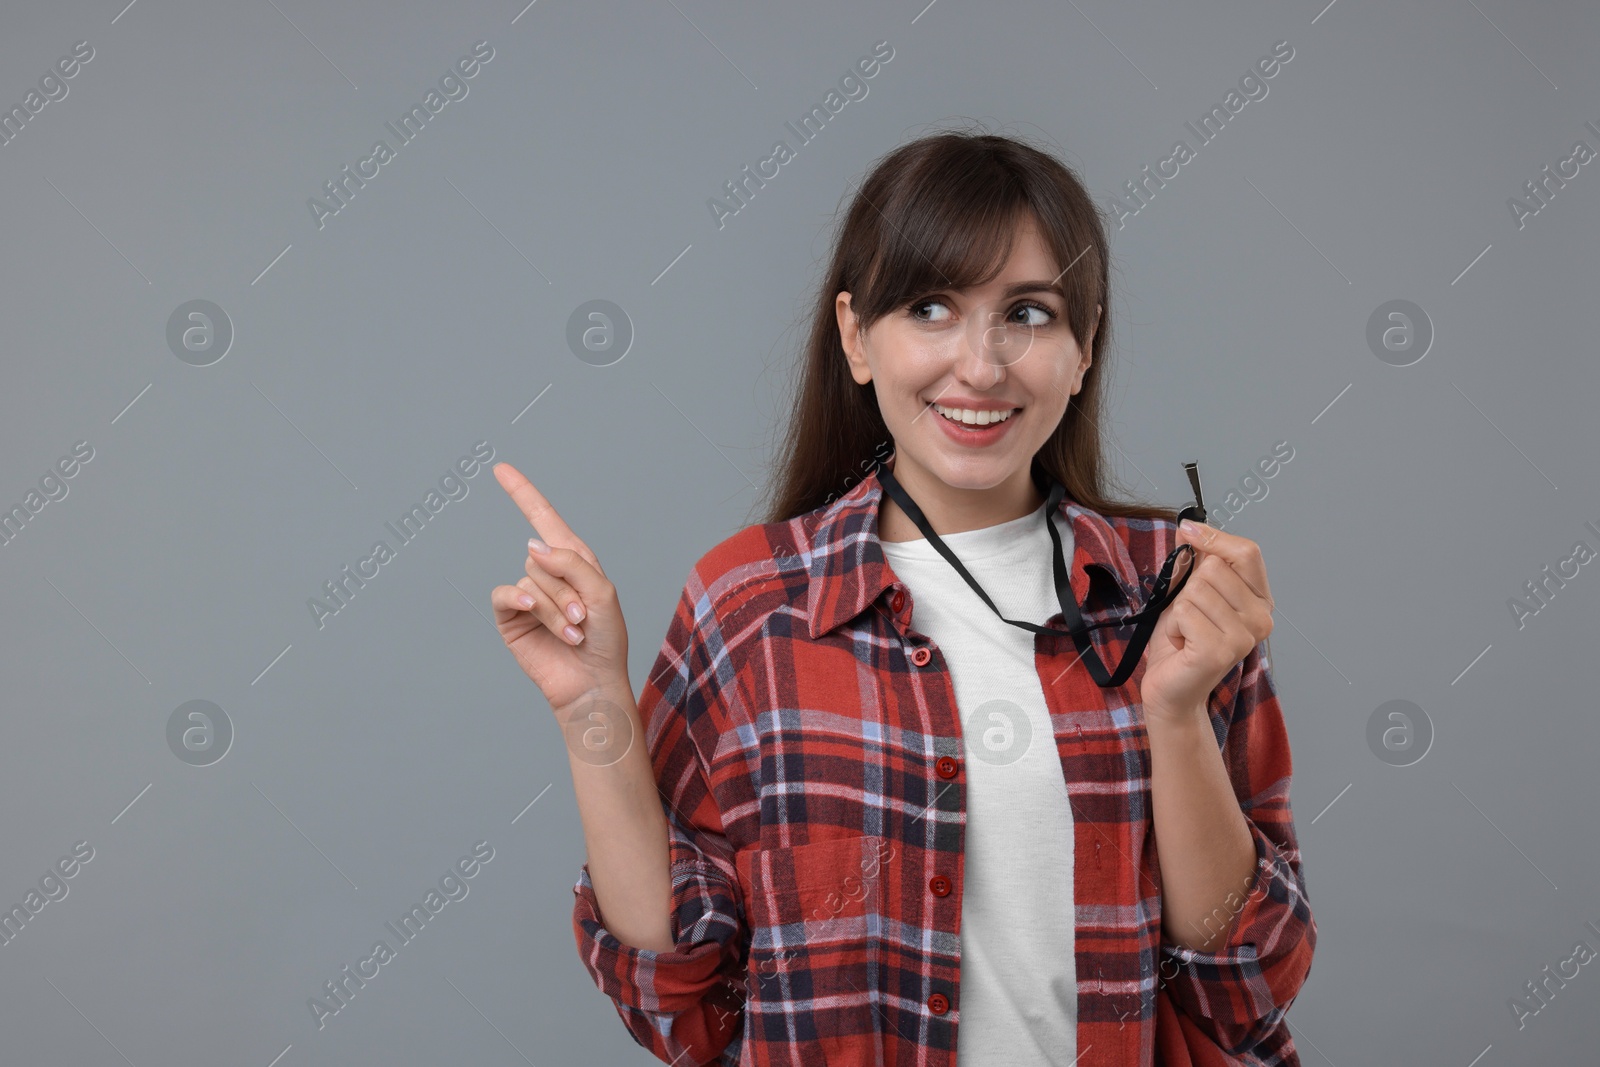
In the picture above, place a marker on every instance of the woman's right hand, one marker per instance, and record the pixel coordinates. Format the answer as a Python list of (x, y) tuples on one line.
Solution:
[(536, 632)]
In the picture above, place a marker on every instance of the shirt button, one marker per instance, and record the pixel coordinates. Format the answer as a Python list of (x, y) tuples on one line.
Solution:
[(921, 657), (897, 601), (938, 1004), (940, 885), (946, 767)]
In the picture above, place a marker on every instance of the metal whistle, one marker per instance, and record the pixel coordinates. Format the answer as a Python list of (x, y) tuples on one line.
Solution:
[(1196, 511)]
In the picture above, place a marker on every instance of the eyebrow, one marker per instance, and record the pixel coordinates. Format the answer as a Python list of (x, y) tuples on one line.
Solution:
[(1034, 287), (1018, 288)]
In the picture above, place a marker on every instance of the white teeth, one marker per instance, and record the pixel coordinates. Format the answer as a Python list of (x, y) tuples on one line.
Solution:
[(972, 418)]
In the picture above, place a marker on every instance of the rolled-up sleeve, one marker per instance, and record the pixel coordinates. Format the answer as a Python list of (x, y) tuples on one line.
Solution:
[(1239, 993), (684, 1005)]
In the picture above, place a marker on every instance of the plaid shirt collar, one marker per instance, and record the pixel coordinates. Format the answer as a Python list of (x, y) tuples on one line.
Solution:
[(849, 571)]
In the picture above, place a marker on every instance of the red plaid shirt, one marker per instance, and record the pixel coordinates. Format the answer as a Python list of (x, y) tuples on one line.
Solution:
[(809, 749)]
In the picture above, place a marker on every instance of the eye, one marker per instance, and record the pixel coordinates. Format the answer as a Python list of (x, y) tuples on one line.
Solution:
[(915, 307), (1033, 313), (1031, 305)]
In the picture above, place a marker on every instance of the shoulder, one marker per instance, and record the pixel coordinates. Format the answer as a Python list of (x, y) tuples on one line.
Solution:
[(760, 569)]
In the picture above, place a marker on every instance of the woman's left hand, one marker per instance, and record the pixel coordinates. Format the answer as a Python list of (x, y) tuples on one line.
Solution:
[(1223, 612)]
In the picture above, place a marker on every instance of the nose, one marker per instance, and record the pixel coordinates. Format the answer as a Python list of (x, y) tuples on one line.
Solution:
[(982, 362), (989, 339)]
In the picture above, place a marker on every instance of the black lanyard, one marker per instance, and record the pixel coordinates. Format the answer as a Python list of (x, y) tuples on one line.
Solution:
[(1144, 620)]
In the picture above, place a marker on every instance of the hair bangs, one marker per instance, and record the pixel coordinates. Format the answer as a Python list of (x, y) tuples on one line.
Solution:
[(947, 231)]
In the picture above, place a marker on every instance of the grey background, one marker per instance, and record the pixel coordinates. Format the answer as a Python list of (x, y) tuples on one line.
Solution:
[(431, 312)]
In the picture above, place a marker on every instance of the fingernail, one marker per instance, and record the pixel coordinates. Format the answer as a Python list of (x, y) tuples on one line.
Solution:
[(1187, 526), (575, 612), (538, 546), (574, 635), (525, 600)]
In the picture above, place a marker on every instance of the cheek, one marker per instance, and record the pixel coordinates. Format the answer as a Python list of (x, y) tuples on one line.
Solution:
[(1045, 424), (1052, 384), (1051, 399), (906, 371)]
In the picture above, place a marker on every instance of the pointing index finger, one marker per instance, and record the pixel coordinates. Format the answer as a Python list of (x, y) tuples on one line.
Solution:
[(537, 510)]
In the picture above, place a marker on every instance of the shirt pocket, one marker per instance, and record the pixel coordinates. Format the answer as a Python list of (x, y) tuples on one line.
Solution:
[(814, 911), (818, 882)]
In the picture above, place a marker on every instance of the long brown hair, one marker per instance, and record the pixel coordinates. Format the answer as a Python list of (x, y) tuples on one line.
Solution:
[(940, 213)]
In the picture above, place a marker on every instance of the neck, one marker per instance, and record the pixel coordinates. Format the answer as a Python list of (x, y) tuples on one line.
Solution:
[(949, 509)]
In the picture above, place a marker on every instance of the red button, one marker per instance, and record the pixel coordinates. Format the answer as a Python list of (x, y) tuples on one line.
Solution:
[(921, 657), (940, 885), (938, 1004), (946, 767), (897, 601)]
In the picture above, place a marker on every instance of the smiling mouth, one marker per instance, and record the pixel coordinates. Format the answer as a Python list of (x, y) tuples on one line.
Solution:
[(928, 406)]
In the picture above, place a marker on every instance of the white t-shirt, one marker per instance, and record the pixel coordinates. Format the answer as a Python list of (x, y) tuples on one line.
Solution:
[(1017, 1000)]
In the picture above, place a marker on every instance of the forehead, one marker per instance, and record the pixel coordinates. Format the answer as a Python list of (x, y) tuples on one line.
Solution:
[(1030, 259)]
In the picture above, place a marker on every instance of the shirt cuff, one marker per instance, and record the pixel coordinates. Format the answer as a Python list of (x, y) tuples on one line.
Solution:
[(653, 981), (1240, 991)]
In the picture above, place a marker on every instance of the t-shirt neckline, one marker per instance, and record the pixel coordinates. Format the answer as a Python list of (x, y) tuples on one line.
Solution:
[(981, 543)]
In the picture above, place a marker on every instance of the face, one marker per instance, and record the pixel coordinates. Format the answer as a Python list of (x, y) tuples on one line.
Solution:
[(1000, 351)]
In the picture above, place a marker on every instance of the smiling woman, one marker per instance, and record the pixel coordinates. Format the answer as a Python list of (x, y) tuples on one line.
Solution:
[(967, 301), (878, 819)]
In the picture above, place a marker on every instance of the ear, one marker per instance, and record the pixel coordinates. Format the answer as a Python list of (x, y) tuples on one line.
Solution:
[(1086, 352), (1088, 343), (850, 337)]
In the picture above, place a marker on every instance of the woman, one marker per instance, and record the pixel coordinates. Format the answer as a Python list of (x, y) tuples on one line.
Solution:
[(904, 820)]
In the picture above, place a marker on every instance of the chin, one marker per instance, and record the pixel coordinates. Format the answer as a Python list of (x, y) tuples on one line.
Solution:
[(975, 472)]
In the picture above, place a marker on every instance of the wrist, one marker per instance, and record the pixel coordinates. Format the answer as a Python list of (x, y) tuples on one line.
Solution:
[(602, 727), (1191, 720), (617, 691)]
